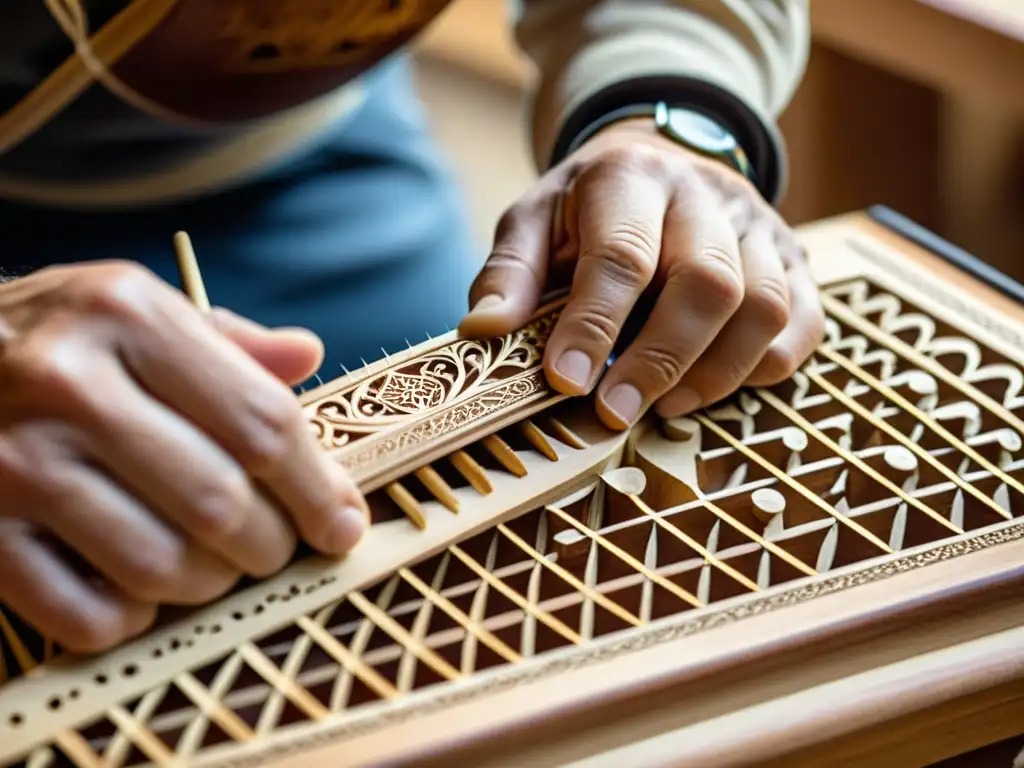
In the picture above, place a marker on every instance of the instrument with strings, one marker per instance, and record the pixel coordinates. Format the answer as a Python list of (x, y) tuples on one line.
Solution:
[(822, 573)]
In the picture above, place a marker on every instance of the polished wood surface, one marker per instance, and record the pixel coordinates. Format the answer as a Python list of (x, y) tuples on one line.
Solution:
[(924, 688), (827, 572)]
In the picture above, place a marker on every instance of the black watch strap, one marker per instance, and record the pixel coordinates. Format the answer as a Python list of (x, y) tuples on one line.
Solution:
[(756, 133), (688, 127), (598, 125)]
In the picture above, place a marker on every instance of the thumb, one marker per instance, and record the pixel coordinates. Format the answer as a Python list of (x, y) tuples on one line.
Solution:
[(291, 354), (508, 288)]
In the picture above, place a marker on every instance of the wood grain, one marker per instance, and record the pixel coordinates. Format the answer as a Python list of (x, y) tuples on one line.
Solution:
[(847, 546)]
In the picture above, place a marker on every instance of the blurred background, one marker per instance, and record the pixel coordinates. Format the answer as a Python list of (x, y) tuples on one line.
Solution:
[(917, 104)]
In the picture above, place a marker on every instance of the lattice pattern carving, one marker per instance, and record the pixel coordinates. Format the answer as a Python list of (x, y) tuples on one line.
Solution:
[(901, 435)]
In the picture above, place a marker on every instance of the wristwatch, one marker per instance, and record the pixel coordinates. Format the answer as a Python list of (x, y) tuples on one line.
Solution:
[(686, 126)]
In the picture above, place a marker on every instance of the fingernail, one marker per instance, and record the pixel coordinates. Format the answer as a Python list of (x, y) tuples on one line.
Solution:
[(625, 401), (686, 401), (349, 526), (492, 302), (576, 367)]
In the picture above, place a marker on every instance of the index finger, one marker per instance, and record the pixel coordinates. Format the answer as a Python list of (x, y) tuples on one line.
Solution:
[(213, 383), (620, 210)]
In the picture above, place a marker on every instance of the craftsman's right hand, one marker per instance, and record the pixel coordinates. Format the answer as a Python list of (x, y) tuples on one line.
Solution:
[(156, 446)]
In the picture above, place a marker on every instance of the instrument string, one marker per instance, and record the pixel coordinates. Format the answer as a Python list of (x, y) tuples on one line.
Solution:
[(73, 20)]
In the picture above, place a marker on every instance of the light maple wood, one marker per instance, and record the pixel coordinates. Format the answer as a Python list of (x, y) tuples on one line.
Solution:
[(188, 269), (887, 607)]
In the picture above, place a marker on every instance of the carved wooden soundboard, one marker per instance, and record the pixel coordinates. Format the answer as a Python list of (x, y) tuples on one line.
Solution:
[(825, 573)]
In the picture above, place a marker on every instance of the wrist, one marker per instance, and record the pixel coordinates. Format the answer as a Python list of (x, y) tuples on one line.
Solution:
[(684, 129), (640, 125), (635, 100), (645, 128)]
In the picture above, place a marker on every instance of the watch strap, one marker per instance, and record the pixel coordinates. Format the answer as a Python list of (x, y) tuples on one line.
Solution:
[(616, 115), (756, 132), (662, 114)]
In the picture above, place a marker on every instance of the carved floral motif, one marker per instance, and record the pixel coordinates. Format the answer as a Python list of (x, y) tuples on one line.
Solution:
[(456, 417), (420, 399), (460, 382)]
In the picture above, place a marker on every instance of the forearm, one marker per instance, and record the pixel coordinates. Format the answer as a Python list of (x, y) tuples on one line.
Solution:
[(740, 60)]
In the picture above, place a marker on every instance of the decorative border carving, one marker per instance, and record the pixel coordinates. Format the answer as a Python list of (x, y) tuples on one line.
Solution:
[(506, 678), (519, 391), (392, 418), (502, 679), (284, 743), (937, 293)]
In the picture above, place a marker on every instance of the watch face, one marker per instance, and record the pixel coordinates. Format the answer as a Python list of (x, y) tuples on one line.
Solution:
[(694, 128)]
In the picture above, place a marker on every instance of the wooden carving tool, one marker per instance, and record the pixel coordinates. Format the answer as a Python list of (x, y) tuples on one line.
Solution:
[(188, 269), (846, 545), (432, 481)]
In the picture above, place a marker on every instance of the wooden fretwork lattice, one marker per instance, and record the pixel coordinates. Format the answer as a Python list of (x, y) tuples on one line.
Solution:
[(900, 434)]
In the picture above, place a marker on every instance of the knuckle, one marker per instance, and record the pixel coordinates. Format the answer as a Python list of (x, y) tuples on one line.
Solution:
[(780, 364), (221, 508), (94, 631), (594, 325), (628, 256), (661, 365), (28, 473), (719, 379), (638, 157), (794, 255), (16, 471), (209, 586), (157, 577), (51, 365), (274, 424), (769, 300), (61, 371), (116, 289), (730, 377), (511, 220), (505, 259), (716, 271)]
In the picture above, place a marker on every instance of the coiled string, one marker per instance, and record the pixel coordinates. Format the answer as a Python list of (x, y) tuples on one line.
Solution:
[(73, 20), (89, 64)]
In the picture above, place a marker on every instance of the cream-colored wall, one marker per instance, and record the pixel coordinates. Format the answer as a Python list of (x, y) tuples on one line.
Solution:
[(480, 125)]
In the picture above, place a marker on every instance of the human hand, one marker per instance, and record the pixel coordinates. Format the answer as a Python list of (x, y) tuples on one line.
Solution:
[(632, 214), (159, 447)]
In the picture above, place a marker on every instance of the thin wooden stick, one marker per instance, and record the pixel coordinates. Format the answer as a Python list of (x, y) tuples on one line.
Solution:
[(188, 269)]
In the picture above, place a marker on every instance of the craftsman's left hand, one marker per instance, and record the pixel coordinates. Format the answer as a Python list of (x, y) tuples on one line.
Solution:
[(735, 302)]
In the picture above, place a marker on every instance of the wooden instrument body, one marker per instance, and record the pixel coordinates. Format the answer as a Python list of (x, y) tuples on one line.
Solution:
[(827, 573)]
